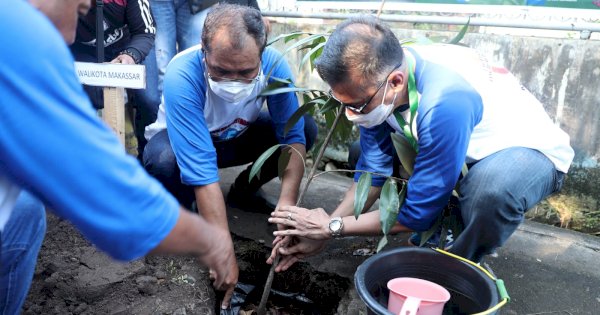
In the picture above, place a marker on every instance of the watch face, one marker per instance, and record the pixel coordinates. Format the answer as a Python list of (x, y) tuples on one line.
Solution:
[(335, 225)]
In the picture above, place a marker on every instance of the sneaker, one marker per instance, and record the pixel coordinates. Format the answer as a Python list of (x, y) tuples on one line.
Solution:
[(249, 200), (433, 241)]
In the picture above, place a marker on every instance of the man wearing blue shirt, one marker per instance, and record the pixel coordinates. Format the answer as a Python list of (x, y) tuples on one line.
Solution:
[(458, 109), (213, 113), (56, 151)]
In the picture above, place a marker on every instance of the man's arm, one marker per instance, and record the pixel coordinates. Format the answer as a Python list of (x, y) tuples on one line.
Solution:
[(292, 176), (141, 27), (193, 235), (210, 203)]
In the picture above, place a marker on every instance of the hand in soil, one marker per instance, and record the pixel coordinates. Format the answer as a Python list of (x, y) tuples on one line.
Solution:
[(297, 249), (224, 270)]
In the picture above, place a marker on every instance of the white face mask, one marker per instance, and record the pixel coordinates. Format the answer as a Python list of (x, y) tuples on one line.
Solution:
[(375, 117), (232, 91)]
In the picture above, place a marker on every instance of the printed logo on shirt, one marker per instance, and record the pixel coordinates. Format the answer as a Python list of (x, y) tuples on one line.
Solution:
[(230, 131)]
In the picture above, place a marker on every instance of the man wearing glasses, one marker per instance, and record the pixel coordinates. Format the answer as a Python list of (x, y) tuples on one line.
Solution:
[(214, 118), (457, 109)]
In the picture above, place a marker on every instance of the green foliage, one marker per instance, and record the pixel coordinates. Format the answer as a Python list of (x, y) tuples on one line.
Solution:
[(405, 152), (362, 192), (460, 34), (261, 160), (282, 162)]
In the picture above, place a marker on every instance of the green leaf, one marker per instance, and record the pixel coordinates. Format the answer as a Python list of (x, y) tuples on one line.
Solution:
[(286, 37), (314, 57), (271, 90), (464, 170), (382, 242), (282, 162), (261, 160), (343, 130), (389, 205), (290, 48), (405, 152), (299, 113), (421, 40), (284, 81), (460, 34), (329, 105), (309, 54), (362, 192)]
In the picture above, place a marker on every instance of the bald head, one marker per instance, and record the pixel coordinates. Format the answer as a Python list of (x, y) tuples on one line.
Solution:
[(233, 27)]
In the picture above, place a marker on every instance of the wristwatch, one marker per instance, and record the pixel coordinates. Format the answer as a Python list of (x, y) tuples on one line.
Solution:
[(336, 225), (134, 54)]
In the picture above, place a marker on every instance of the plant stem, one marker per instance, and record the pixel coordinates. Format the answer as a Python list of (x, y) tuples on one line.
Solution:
[(313, 170), (360, 171), (380, 8), (265, 295)]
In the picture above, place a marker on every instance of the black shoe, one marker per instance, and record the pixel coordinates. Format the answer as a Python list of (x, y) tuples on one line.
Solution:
[(253, 201)]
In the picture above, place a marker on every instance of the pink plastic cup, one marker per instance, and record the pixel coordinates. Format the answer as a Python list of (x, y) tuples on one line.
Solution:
[(412, 296)]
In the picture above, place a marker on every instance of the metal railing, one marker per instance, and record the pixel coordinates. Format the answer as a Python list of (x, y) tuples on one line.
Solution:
[(584, 28)]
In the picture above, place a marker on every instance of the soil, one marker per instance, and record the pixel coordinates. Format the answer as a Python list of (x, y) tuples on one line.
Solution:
[(73, 277)]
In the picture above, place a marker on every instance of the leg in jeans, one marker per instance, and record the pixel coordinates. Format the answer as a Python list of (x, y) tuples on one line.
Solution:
[(165, 45), (146, 100), (248, 147), (19, 246), (159, 161), (496, 193), (189, 26)]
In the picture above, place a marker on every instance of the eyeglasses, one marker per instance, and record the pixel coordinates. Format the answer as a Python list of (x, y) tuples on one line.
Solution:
[(223, 79), (245, 81), (357, 107)]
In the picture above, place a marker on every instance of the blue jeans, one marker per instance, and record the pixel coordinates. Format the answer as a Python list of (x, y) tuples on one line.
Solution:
[(177, 29), (19, 246), (495, 195), (159, 159)]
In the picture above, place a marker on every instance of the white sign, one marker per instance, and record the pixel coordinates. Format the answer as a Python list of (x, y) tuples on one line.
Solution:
[(111, 74)]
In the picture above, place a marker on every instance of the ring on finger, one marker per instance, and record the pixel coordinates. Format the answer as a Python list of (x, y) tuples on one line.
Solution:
[(289, 216)]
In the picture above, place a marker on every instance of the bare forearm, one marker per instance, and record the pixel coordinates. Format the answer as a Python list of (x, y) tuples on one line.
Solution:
[(191, 235), (211, 205), (292, 176), (368, 224), (346, 207)]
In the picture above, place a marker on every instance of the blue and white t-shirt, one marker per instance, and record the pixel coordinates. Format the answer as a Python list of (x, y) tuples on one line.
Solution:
[(53, 144), (468, 110), (195, 116)]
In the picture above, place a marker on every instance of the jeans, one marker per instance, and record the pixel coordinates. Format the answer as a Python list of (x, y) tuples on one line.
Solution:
[(159, 159), (495, 195), (177, 29), (20, 243)]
